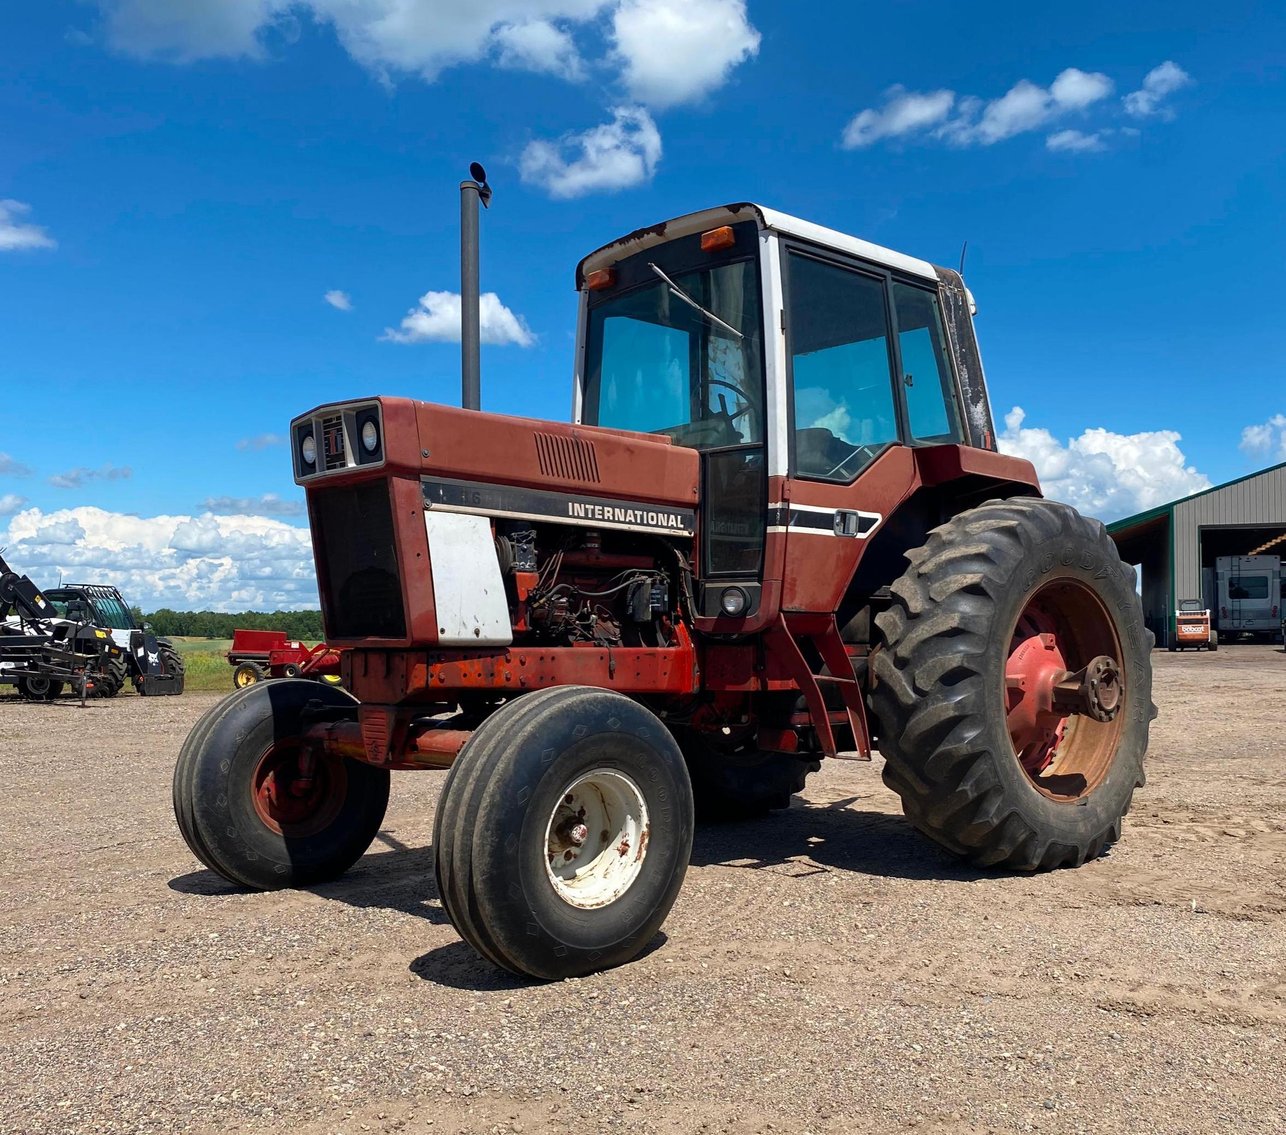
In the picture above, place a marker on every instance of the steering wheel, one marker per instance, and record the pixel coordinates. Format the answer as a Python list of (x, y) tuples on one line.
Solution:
[(739, 391), (869, 452)]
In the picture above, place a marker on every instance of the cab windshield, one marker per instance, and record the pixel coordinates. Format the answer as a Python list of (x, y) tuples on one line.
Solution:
[(681, 356)]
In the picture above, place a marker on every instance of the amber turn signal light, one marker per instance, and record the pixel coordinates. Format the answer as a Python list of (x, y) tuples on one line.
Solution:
[(718, 238), (603, 278)]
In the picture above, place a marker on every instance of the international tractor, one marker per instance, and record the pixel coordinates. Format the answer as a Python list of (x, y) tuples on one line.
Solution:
[(776, 530)]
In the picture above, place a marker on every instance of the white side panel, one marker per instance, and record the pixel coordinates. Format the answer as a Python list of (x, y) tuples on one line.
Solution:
[(778, 414), (578, 375), (467, 589)]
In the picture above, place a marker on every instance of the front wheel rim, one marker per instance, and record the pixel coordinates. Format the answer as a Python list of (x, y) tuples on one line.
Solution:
[(596, 839), (295, 796)]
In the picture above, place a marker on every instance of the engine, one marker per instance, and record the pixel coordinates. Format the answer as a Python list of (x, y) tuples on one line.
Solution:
[(585, 585)]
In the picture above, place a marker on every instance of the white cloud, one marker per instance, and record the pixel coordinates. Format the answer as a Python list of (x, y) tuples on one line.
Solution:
[(17, 235), (437, 317), (666, 51), (967, 120), (904, 112), (1104, 474), (1026, 106), (1160, 82), (224, 563), (1076, 142), (537, 45), (261, 441), (11, 468), (193, 29), (341, 301), (677, 51), (615, 155), (76, 478), (1075, 89), (270, 504), (11, 503), (1268, 439)]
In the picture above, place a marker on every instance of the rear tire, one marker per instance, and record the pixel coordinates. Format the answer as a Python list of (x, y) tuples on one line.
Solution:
[(741, 782), (238, 800), (1214, 640), (172, 663), (981, 584), (513, 879)]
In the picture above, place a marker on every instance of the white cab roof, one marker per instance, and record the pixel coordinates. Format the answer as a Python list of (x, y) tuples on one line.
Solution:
[(768, 219)]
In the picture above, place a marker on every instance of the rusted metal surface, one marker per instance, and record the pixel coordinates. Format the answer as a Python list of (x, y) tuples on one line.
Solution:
[(1064, 690), (296, 790), (424, 745), (387, 677)]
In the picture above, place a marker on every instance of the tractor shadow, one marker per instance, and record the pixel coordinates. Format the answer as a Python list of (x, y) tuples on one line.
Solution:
[(399, 879), (807, 839), (834, 836), (457, 966)]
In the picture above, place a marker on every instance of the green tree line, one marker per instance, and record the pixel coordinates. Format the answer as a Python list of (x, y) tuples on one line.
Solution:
[(218, 624)]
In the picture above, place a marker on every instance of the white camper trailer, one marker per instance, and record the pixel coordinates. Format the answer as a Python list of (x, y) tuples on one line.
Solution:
[(1250, 596)]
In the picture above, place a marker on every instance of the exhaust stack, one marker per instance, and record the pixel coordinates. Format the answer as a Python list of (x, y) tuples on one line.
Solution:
[(471, 192)]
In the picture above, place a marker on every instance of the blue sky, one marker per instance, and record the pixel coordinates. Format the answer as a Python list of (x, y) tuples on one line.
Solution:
[(181, 185)]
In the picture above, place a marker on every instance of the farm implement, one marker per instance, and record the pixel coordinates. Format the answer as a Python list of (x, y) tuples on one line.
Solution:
[(41, 653), (256, 655)]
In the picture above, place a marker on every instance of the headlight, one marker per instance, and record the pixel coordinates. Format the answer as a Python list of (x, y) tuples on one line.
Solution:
[(733, 601), (308, 449), (370, 437)]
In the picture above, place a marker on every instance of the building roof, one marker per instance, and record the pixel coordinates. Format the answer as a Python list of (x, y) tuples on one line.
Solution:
[(1117, 527)]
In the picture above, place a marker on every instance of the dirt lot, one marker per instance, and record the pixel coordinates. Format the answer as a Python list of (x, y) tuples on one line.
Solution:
[(823, 971)]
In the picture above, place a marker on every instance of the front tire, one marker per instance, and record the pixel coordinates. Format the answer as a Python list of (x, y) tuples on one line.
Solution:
[(244, 807), (40, 688), (995, 594), (111, 678), (563, 832)]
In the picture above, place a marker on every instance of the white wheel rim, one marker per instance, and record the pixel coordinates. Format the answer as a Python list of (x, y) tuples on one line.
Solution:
[(596, 839)]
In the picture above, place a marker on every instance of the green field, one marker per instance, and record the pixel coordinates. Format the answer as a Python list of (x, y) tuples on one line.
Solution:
[(205, 664)]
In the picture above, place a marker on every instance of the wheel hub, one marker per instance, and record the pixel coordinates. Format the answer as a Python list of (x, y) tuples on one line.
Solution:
[(295, 794), (596, 839), (1049, 683)]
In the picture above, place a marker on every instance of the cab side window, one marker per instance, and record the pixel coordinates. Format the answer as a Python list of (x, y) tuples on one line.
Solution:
[(841, 369), (926, 373)]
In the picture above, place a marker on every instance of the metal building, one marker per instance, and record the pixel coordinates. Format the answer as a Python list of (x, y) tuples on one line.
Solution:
[(1175, 545)]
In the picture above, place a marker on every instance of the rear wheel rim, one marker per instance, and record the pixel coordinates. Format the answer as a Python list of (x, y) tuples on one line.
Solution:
[(288, 801), (596, 839), (1063, 627)]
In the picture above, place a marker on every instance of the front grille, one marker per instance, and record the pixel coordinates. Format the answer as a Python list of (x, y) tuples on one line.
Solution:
[(333, 455), (567, 458), (357, 562)]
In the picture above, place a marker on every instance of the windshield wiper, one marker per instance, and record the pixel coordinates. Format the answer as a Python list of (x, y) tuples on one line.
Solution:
[(678, 291)]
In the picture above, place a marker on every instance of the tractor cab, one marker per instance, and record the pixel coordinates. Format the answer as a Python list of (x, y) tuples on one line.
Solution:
[(787, 354)]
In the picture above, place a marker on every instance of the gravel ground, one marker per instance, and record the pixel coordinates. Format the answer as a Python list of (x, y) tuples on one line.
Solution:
[(826, 970)]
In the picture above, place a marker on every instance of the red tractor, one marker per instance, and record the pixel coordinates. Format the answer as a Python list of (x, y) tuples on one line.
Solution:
[(777, 530)]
